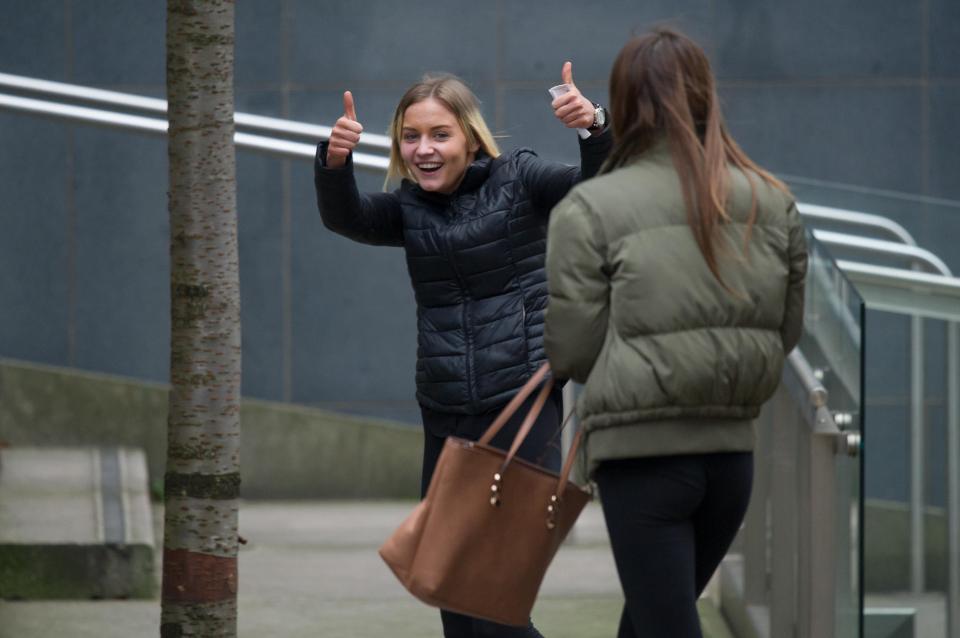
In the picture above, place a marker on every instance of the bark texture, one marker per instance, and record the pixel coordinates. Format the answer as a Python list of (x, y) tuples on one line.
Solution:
[(203, 464)]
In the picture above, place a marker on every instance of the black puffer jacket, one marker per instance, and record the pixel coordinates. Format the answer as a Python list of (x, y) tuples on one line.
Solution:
[(476, 261)]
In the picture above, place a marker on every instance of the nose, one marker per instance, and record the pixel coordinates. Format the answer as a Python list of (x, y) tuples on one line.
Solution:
[(424, 147)]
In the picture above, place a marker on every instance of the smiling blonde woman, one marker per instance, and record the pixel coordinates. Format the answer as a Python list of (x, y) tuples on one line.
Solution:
[(473, 224)]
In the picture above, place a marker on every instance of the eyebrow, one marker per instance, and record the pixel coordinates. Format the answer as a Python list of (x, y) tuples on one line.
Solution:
[(433, 128)]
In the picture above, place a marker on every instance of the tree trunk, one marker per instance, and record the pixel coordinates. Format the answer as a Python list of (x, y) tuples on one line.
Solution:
[(199, 596)]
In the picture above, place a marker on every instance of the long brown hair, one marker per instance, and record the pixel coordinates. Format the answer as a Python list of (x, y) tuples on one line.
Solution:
[(454, 94), (661, 86)]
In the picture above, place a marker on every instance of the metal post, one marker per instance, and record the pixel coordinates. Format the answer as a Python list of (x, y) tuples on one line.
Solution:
[(756, 530), (917, 466), (953, 478), (785, 517), (825, 496)]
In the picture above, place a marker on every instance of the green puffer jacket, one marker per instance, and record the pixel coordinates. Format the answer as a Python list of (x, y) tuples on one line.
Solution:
[(672, 363)]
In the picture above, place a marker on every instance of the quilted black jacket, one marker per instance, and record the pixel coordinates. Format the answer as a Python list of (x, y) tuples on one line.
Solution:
[(476, 261)]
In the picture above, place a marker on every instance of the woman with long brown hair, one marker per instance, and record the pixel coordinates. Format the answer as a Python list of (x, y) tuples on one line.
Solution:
[(675, 285)]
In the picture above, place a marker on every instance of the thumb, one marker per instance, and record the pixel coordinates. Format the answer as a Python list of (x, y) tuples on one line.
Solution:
[(567, 73), (348, 109)]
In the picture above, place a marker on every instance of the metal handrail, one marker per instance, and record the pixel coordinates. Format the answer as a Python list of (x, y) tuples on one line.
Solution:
[(317, 131), (154, 126), (927, 283), (813, 390), (858, 219), (916, 255), (155, 105), (918, 295)]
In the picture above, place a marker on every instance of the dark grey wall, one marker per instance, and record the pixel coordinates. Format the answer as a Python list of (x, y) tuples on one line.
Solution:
[(856, 98)]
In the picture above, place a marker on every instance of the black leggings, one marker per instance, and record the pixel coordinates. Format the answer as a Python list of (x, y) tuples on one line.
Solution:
[(542, 446), (671, 520)]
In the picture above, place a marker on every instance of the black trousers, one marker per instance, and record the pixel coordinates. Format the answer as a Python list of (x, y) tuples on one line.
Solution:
[(542, 446), (671, 520)]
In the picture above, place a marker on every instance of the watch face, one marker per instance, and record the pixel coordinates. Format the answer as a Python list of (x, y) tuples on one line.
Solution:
[(599, 117)]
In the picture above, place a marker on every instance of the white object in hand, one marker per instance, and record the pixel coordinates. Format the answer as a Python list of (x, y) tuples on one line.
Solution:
[(557, 91)]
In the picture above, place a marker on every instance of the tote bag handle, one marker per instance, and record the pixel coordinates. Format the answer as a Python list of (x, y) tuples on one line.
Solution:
[(522, 433)]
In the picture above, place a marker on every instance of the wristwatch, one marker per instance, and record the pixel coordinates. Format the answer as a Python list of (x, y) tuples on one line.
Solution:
[(599, 117)]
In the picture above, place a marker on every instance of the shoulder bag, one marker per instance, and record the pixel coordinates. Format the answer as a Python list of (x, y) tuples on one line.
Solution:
[(482, 538)]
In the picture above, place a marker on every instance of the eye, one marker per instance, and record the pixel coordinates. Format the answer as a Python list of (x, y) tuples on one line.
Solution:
[(442, 135), (409, 137)]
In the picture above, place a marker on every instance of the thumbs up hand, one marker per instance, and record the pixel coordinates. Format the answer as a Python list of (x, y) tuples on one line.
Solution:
[(345, 134), (572, 108)]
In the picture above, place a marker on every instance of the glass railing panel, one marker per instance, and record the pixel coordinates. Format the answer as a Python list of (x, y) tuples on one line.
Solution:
[(832, 343), (832, 336), (910, 421)]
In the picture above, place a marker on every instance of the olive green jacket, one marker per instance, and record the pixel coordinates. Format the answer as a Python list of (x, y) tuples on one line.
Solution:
[(671, 361)]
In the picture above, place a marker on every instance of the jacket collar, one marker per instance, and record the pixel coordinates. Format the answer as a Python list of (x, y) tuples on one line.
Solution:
[(477, 173)]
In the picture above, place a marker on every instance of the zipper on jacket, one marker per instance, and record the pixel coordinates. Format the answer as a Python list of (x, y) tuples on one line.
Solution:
[(523, 326), (464, 316)]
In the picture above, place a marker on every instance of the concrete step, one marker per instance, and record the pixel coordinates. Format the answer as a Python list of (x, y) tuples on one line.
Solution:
[(75, 523)]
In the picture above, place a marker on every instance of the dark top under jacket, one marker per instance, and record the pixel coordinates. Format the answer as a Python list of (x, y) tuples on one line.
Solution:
[(476, 261)]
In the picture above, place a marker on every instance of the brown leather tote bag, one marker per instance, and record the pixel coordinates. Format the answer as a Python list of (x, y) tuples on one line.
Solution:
[(482, 538)]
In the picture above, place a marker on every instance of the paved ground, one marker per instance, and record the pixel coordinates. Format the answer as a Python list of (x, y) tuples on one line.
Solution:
[(311, 570)]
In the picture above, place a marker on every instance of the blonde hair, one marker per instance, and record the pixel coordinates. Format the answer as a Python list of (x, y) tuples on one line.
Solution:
[(454, 94)]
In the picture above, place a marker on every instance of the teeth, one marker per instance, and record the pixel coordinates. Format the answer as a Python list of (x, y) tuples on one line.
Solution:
[(429, 167)]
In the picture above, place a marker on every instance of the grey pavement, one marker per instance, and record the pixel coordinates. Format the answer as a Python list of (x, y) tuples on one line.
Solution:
[(311, 570)]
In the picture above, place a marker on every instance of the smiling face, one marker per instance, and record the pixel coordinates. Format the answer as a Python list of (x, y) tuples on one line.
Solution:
[(434, 146)]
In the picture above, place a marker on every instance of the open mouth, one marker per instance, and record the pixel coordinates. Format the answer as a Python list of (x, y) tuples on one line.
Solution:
[(429, 167)]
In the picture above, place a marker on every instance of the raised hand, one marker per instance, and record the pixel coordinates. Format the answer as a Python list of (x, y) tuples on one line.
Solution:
[(345, 134), (572, 108)]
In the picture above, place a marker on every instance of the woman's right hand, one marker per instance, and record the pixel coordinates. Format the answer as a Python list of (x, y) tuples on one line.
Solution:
[(572, 108), (345, 134)]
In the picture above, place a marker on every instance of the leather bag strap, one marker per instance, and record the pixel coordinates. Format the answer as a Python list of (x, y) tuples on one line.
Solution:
[(514, 404), (568, 464), (527, 423)]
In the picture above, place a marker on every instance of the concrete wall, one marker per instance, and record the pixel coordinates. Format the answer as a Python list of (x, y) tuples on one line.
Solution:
[(286, 451), (841, 91)]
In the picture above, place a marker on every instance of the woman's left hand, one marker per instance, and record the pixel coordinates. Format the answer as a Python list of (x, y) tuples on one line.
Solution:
[(571, 108)]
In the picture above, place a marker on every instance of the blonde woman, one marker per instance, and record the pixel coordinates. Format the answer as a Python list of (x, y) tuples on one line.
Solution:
[(473, 223)]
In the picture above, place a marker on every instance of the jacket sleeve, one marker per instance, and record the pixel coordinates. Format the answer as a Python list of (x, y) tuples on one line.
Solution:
[(371, 219), (579, 290), (792, 325), (549, 182)]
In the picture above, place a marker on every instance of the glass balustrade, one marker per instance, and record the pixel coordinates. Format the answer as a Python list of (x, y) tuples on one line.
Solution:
[(910, 567), (833, 344)]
